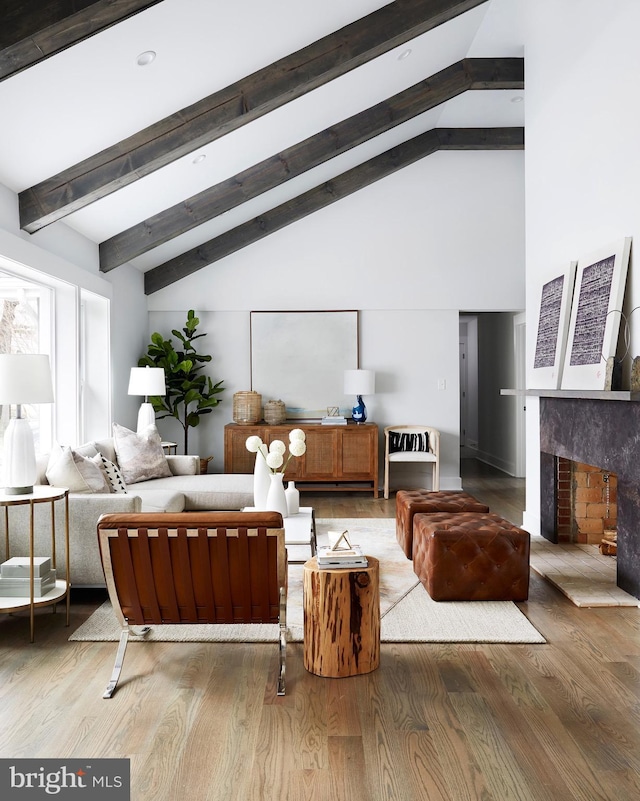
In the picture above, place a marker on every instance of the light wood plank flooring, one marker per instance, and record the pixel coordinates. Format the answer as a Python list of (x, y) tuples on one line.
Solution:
[(435, 722)]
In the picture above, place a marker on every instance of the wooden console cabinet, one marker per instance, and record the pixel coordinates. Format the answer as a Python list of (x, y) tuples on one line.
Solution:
[(337, 457)]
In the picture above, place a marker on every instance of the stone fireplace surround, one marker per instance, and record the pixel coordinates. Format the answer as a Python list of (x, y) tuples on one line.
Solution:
[(602, 431)]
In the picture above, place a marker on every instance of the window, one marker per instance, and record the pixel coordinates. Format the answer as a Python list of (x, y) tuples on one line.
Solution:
[(25, 327), (42, 313)]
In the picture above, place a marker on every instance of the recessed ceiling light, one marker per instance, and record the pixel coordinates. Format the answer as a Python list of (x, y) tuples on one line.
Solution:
[(199, 159), (517, 99), (405, 54), (146, 58)]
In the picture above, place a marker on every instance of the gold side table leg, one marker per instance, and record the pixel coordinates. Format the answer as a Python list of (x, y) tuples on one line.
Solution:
[(68, 561), (31, 577)]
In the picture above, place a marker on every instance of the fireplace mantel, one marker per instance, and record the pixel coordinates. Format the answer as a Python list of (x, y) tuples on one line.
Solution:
[(577, 394)]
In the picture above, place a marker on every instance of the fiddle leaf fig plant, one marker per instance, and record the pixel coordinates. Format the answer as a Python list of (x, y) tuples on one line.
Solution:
[(190, 393)]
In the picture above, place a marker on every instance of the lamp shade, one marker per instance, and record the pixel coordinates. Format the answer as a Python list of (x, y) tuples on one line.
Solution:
[(359, 382), (25, 378), (147, 381)]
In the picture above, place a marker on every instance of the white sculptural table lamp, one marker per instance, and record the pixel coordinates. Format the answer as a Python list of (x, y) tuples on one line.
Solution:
[(25, 378), (147, 381)]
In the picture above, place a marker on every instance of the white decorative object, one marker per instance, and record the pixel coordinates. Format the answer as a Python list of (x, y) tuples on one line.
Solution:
[(292, 495), (25, 378), (275, 465), (150, 382), (261, 480), (276, 499)]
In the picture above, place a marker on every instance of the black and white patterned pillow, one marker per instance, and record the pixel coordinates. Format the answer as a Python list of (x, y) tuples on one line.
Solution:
[(114, 476), (408, 442)]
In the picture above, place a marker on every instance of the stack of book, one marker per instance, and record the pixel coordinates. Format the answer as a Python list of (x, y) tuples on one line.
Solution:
[(334, 420), (15, 572), (332, 558)]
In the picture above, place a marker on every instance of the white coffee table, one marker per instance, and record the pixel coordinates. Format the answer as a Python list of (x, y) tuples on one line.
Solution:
[(299, 534)]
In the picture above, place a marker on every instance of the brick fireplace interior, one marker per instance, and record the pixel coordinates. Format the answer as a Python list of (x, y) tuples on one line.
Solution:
[(604, 433), (587, 498)]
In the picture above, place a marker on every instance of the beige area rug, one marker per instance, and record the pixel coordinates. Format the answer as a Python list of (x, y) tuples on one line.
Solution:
[(408, 613), (580, 572)]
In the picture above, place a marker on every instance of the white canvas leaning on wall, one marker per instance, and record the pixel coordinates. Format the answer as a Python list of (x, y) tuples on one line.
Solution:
[(300, 357), (595, 316), (553, 329)]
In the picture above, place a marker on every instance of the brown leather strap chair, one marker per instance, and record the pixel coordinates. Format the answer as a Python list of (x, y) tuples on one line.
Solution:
[(194, 567)]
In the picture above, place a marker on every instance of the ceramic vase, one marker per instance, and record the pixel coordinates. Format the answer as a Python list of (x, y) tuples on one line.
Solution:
[(359, 411), (292, 495), (261, 481), (276, 499)]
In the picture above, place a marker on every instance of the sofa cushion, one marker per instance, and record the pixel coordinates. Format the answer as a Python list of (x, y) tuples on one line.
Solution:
[(161, 501), (68, 468), (210, 492), (106, 448), (140, 456), (113, 475)]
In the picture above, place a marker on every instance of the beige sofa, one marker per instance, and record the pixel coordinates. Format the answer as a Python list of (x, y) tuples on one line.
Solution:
[(184, 490)]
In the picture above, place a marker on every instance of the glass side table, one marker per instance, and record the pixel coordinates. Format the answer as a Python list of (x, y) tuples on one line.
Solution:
[(40, 494)]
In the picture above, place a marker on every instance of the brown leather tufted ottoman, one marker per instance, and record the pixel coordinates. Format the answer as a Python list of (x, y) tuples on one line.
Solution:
[(471, 557), (411, 502)]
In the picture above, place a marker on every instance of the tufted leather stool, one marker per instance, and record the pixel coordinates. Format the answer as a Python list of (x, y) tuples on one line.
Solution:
[(411, 502), (471, 557)]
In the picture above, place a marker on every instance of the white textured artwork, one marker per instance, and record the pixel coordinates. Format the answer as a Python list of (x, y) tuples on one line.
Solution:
[(300, 357), (553, 327), (595, 316)]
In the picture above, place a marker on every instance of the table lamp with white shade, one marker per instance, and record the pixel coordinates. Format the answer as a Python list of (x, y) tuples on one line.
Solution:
[(147, 381), (25, 378), (359, 383)]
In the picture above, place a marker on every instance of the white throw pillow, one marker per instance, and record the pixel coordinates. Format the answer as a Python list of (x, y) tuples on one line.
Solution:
[(113, 474), (140, 456), (66, 468)]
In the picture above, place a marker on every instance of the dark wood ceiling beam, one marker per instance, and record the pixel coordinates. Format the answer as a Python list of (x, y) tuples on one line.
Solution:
[(329, 192), (469, 74), (232, 107), (33, 30)]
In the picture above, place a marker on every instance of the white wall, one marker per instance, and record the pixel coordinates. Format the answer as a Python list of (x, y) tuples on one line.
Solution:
[(409, 252), (581, 160), (445, 233)]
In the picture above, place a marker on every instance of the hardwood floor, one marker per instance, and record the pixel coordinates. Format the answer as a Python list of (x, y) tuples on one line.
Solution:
[(436, 722)]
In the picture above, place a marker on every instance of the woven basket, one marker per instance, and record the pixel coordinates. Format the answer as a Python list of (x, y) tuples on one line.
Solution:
[(247, 408), (274, 412)]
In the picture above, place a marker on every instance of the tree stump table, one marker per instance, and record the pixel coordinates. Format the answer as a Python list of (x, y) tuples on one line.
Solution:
[(341, 619)]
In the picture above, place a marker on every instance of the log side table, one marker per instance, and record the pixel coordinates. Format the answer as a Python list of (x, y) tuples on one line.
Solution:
[(341, 619)]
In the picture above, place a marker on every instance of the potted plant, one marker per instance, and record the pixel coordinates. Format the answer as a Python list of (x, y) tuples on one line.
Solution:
[(190, 393)]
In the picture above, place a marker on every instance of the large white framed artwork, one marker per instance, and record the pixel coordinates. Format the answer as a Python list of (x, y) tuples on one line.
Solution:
[(300, 357), (595, 316), (553, 329)]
